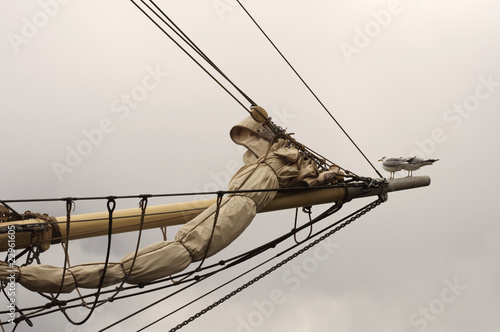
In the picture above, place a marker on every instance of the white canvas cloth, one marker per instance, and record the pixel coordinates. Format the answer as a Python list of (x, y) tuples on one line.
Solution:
[(269, 164)]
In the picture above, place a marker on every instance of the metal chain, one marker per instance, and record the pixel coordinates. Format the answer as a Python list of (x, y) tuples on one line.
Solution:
[(368, 208)]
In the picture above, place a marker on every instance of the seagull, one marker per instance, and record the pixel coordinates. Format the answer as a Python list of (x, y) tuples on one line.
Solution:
[(414, 163), (393, 165)]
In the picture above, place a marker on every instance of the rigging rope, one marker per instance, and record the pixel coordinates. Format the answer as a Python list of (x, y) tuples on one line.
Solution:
[(163, 17), (226, 263), (344, 184), (241, 258), (198, 50), (358, 182), (305, 209), (308, 87), (11, 210), (143, 204), (237, 260), (112, 203), (56, 237), (354, 216), (69, 205), (189, 55), (232, 262)]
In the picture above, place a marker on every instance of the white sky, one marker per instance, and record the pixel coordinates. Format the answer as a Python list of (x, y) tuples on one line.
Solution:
[(426, 78)]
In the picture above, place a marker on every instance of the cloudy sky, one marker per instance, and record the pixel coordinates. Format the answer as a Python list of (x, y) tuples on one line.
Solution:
[(96, 101)]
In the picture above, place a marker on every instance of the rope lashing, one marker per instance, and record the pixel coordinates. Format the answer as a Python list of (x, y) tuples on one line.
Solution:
[(308, 211), (111, 205)]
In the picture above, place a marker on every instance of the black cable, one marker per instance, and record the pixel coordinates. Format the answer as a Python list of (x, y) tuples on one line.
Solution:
[(29, 227), (235, 261), (215, 67), (245, 257), (17, 309), (147, 307), (353, 216), (344, 184), (14, 212), (310, 90), (143, 204), (186, 39), (189, 42), (69, 205), (187, 53), (111, 207)]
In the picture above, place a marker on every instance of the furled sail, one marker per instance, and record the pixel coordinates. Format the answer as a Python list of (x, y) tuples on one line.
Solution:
[(270, 163)]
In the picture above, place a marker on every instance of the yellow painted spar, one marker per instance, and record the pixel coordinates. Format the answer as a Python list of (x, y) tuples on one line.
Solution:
[(128, 220)]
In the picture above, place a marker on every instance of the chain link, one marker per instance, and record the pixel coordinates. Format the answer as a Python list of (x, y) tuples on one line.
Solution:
[(358, 215)]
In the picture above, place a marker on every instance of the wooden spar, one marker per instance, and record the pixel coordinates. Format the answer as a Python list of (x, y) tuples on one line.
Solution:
[(128, 220)]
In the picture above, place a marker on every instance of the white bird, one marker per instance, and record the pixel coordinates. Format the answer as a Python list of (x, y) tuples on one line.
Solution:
[(392, 165), (414, 163)]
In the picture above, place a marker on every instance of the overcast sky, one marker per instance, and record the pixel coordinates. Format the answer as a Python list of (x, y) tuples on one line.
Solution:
[(95, 100)]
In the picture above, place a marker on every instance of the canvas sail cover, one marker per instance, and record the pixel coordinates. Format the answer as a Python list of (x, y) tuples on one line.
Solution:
[(269, 164)]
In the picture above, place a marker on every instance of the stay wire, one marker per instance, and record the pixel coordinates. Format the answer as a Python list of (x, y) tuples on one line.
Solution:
[(256, 252), (22, 316), (234, 261), (28, 227), (228, 263), (253, 254), (148, 306), (187, 40), (309, 88), (186, 52), (353, 216), (244, 257), (12, 211), (178, 31), (238, 259), (197, 193)]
